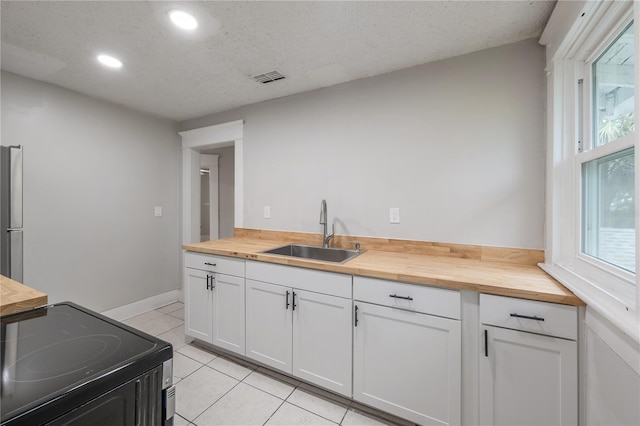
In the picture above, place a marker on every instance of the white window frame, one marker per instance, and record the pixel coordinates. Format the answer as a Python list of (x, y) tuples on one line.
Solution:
[(612, 291), (620, 282)]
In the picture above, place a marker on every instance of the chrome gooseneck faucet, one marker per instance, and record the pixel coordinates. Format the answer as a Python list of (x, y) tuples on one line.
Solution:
[(323, 221)]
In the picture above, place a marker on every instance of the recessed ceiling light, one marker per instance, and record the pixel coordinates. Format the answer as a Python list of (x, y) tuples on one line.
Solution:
[(183, 19), (110, 61)]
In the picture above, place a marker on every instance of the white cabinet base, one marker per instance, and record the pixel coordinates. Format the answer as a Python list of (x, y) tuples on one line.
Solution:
[(322, 341), (228, 313), (408, 364), (197, 299), (269, 325), (215, 300), (527, 379)]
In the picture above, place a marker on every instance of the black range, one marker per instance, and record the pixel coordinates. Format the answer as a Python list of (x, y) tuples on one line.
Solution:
[(64, 364)]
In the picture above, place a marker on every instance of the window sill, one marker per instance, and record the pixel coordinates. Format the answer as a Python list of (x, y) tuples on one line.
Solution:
[(614, 311)]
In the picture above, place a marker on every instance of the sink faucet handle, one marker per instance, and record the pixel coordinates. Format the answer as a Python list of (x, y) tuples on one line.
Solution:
[(323, 213), (356, 245)]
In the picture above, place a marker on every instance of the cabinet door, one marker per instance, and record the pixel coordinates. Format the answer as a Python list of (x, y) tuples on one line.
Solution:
[(228, 312), (198, 303), (527, 379), (408, 364), (269, 324), (322, 340)]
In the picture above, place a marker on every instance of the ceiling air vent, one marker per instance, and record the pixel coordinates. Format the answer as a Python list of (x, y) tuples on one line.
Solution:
[(268, 77)]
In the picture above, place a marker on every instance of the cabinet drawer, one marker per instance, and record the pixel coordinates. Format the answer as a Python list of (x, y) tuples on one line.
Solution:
[(544, 318), (304, 279), (211, 263), (428, 300)]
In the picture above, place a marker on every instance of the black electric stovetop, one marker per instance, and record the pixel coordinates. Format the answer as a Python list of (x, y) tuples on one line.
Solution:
[(57, 350)]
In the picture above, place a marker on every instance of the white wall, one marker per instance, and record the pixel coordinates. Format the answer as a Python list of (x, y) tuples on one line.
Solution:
[(93, 173), (612, 388), (457, 145)]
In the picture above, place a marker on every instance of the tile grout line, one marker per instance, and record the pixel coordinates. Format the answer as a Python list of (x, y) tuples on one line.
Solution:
[(175, 310), (273, 378), (267, 392), (236, 385), (255, 368), (309, 411), (226, 374), (214, 402), (191, 358), (316, 414), (222, 372), (276, 410), (178, 326), (286, 400), (345, 414)]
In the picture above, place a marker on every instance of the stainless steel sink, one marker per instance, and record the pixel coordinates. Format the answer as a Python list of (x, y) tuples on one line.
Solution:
[(315, 253)]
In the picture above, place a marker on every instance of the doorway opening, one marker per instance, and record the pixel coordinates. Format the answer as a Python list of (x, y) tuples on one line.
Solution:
[(217, 170), (215, 151)]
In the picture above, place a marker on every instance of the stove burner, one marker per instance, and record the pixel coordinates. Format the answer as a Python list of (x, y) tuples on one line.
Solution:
[(64, 357)]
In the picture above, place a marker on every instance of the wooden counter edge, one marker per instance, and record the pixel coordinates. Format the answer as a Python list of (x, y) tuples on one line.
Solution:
[(19, 297), (567, 298)]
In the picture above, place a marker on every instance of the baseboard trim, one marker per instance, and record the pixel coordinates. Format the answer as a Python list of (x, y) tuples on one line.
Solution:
[(141, 306)]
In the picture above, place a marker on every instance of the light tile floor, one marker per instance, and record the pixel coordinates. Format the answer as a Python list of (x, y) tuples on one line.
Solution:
[(216, 389)]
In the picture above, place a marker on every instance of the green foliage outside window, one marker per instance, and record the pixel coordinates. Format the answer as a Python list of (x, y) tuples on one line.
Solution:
[(613, 129), (617, 185)]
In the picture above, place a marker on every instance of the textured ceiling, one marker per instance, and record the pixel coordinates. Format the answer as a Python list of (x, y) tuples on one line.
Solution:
[(180, 75)]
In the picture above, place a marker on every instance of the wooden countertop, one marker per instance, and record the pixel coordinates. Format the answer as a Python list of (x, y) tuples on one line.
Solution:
[(500, 278), (16, 297)]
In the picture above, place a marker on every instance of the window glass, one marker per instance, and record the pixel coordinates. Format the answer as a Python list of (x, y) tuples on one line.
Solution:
[(613, 80), (609, 209)]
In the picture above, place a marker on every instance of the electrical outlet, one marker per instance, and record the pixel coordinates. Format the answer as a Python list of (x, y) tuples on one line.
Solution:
[(157, 212), (394, 215), (267, 212)]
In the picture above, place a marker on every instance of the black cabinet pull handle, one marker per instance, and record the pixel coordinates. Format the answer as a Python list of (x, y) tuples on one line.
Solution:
[(535, 318), (138, 402), (210, 264), (213, 279), (287, 304), (208, 281), (356, 315), (486, 343), (395, 296), (293, 299)]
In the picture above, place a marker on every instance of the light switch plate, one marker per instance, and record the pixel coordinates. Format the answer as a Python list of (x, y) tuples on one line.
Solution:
[(158, 212), (394, 215), (267, 212)]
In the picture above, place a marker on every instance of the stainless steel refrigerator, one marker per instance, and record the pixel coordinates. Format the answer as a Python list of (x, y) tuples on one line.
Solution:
[(11, 212)]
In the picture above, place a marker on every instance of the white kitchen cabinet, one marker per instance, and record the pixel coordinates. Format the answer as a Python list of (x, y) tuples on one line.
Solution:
[(228, 329), (269, 324), (527, 378), (407, 350), (322, 340), (214, 290), (407, 363), (299, 331), (198, 302)]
